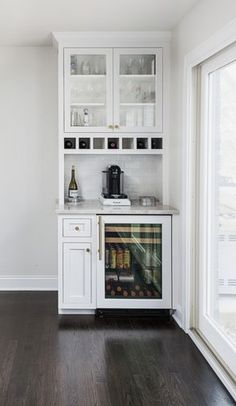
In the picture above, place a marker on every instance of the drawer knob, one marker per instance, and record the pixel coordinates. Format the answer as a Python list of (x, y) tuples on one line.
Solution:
[(77, 228), (87, 249)]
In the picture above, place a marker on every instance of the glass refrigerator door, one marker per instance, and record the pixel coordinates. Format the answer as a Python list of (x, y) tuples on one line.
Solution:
[(133, 261)]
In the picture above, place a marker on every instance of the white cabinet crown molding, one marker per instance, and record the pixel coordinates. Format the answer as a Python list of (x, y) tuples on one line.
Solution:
[(111, 38)]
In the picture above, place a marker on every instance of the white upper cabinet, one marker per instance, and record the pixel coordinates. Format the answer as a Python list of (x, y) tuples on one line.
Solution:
[(113, 90), (88, 90), (138, 90)]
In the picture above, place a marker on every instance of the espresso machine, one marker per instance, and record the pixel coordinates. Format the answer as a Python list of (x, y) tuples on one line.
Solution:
[(112, 187)]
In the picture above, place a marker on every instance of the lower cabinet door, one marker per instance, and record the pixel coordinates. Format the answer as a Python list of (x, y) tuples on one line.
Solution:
[(77, 275)]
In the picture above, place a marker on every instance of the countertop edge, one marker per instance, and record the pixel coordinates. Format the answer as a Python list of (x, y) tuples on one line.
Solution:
[(96, 208)]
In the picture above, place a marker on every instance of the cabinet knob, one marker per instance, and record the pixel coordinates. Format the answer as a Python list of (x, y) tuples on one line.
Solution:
[(111, 126), (77, 228), (116, 126), (87, 249)]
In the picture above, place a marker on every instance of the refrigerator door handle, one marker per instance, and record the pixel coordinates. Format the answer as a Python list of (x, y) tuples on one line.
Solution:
[(100, 238)]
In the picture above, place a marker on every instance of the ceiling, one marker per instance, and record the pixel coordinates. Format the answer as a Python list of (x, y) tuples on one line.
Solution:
[(30, 22)]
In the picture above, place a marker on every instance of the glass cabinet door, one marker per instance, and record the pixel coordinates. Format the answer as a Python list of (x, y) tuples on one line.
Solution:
[(88, 87), (133, 261), (138, 90)]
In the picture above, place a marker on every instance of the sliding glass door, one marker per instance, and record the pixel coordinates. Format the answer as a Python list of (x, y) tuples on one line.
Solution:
[(217, 207)]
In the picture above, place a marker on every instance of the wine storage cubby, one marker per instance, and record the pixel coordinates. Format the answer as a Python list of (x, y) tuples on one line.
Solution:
[(113, 143), (84, 143), (127, 143), (142, 143), (69, 143), (104, 144), (156, 143), (99, 143)]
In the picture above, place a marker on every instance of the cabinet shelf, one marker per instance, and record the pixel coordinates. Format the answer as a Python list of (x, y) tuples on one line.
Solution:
[(137, 104), (87, 76), (138, 76), (125, 240), (130, 229), (87, 104), (113, 151)]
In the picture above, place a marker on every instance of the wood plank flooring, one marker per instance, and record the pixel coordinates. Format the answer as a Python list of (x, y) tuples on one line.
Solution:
[(48, 360)]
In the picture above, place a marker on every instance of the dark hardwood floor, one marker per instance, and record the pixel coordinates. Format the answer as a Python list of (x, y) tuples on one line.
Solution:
[(49, 360)]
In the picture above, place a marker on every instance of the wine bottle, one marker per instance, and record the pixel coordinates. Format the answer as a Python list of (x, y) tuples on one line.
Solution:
[(119, 258), (107, 258), (112, 258), (73, 191), (68, 144), (119, 290), (112, 144), (83, 144), (140, 144), (108, 288), (127, 259)]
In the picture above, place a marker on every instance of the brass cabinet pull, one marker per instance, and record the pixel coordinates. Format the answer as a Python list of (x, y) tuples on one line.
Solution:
[(100, 238), (111, 126), (77, 228), (116, 126)]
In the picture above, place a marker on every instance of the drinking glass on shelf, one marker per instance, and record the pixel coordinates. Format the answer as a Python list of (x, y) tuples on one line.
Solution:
[(129, 66), (141, 62), (144, 97), (85, 68), (97, 67), (138, 93)]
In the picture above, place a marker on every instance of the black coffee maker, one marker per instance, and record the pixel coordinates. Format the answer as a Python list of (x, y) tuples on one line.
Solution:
[(113, 183)]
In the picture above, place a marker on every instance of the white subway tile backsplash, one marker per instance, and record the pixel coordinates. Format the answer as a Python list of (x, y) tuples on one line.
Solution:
[(143, 173)]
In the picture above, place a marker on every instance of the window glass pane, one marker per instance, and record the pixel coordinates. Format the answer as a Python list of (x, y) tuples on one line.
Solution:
[(222, 189)]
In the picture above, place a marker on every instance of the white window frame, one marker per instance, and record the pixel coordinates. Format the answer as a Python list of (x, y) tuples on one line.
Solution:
[(206, 234), (218, 42)]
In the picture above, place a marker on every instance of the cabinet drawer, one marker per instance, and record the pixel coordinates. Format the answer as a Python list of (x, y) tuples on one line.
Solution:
[(77, 227)]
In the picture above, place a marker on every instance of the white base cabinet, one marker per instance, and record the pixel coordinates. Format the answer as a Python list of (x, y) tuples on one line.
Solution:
[(77, 278), (77, 263), (114, 262)]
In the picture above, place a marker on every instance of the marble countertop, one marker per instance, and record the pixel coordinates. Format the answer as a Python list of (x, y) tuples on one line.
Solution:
[(95, 207)]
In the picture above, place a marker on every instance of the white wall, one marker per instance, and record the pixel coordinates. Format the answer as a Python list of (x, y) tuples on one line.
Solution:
[(28, 161), (198, 25)]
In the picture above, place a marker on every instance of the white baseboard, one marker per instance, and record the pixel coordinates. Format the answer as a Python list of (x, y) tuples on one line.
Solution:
[(178, 317), (28, 282), (75, 311)]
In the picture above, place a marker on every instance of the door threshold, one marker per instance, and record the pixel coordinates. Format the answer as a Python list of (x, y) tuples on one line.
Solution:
[(212, 360)]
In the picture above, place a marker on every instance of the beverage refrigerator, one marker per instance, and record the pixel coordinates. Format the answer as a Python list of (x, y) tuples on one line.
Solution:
[(134, 262)]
